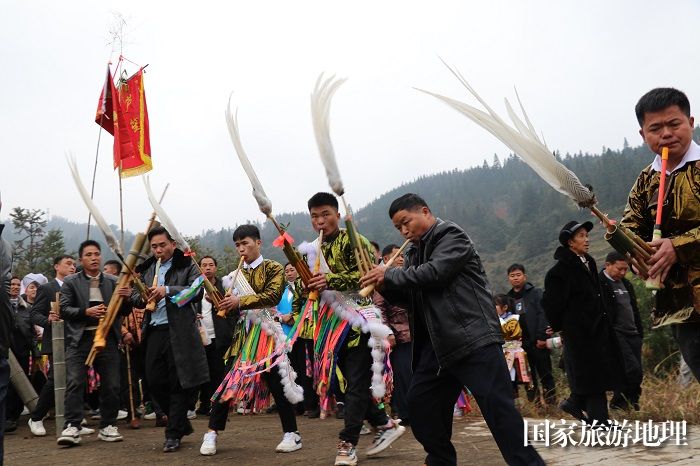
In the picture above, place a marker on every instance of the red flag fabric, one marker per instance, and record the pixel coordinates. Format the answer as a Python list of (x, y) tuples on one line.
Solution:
[(132, 146), (105, 108)]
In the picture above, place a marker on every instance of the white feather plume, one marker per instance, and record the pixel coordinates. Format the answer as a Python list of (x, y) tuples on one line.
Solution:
[(163, 217), (320, 115), (523, 141), (110, 237), (258, 192)]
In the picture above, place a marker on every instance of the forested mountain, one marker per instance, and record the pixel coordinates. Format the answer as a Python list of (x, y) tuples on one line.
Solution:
[(509, 212)]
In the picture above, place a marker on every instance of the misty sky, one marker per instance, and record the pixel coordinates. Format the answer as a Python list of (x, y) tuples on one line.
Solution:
[(579, 67)]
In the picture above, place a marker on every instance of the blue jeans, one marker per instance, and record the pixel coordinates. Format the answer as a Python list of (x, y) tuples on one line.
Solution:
[(4, 382)]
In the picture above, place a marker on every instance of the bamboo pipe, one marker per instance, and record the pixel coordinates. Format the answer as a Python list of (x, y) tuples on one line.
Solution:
[(115, 302), (59, 373), (313, 295), (221, 312), (151, 304), (369, 289)]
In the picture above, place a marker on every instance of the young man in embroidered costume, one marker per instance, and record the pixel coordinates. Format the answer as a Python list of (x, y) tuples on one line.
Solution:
[(664, 118), (266, 277), (354, 356), (456, 334), (176, 364)]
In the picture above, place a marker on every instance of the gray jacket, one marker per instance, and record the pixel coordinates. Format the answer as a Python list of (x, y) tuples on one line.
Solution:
[(185, 341), (75, 299), (6, 318), (446, 284)]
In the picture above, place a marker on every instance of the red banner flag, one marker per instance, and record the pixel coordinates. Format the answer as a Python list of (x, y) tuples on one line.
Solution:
[(105, 108), (132, 146)]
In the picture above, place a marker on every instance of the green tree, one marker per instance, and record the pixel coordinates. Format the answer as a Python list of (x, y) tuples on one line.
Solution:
[(52, 247), (29, 225)]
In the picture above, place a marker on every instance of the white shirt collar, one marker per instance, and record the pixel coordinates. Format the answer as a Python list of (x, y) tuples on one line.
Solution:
[(255, 263), (692, 155), (609, 277), (60, 282)]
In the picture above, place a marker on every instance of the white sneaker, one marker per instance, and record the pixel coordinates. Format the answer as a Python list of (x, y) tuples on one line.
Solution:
[(110, 434), (121, 414), (83, 422), (150, 416), (25, 411), (37, 427), (290, 442), (86, 430), (70, 436), (347, 455), (191, 414), (95, 415), (208, 447), (365, 430), (384, 437)]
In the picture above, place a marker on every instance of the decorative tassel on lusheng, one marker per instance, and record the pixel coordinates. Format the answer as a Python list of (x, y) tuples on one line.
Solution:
[(263, 347), (338, 313)]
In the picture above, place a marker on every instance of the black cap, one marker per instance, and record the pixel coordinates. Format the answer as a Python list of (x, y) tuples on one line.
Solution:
[(570, 228)]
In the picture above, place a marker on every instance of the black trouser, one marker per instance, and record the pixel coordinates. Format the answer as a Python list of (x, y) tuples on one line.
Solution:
[(541, 368), (401, 365), (595, 405), (14, 404), (285, 409), (304, 348), (356, 366), (106, 365), (215, 361), (164, 383), (46, 400), (688, 338), (4, 383), (434, 392), (631, 351)]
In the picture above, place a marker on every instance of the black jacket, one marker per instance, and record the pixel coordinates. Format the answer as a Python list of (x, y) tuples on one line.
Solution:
[(573, 305), (23, 335), (75, 299), (6, 319), (185, 340), (223, 326), (45, 295), (446, 282), (611, 304), (534, 319)]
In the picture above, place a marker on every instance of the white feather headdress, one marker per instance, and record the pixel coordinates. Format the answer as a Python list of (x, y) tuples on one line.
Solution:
[(522, 140), (110, 237), (164, 218), (320, 115), (263, 201)]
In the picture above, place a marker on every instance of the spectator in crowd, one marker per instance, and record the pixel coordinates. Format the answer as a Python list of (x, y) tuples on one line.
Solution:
[(85, 297), (573, 306), (528, 302), (23, 346), (621, 305), (43, 316), (6, 324), (112, 267), (219, 331), (396, 317)]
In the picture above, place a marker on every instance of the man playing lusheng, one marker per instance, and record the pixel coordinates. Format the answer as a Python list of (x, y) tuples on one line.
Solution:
[(354, 356), (266, 278), (175, 361), (664, 117), (455, 332)]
